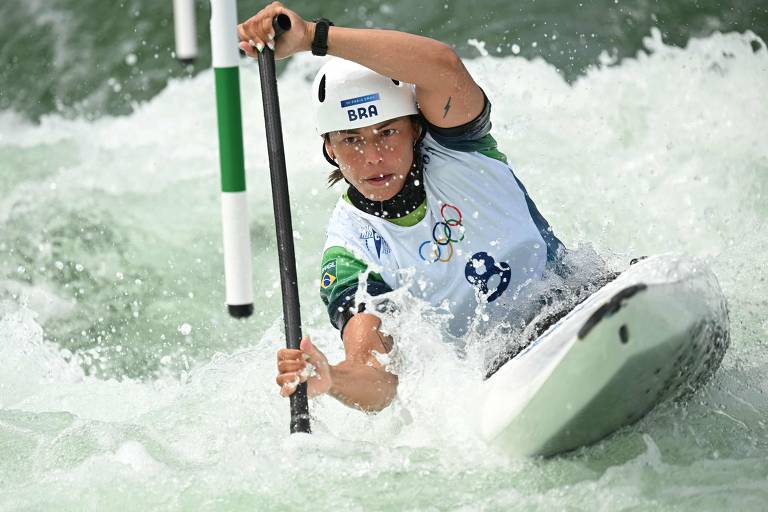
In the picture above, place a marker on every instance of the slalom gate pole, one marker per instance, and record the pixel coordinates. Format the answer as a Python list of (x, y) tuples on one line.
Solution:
[(283, 224), (234, 206), (185, 30)]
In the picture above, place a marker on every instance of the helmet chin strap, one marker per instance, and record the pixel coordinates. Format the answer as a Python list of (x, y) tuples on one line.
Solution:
[(328, 157)]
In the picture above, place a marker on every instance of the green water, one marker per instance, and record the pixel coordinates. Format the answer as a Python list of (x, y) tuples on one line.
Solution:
[(125, 386), (89, 57)]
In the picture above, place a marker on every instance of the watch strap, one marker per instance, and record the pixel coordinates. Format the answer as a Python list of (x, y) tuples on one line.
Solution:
[(320, 41)]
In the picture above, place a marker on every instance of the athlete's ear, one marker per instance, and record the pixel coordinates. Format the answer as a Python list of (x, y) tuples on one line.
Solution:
[(328, 147), (328, 153), (418, 129)]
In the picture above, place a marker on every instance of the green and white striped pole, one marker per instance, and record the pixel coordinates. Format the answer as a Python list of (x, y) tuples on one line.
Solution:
[(234, 206)]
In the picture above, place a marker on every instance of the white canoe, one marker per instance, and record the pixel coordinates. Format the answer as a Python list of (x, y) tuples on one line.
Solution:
[(656, 332)]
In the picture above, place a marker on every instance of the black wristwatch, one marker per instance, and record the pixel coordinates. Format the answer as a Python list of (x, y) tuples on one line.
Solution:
[(320, 41)]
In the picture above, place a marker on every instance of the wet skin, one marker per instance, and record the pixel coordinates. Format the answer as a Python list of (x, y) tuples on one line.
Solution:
[(375, 159)]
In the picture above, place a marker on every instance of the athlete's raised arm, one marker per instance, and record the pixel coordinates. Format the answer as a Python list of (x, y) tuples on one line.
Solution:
[(446, 93)]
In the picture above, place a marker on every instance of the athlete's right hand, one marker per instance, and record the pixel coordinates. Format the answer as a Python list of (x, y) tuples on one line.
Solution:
[(293, 368), (258, 30)]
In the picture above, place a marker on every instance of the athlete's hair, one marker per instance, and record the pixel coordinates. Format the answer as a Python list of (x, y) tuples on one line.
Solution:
[(336, 176)]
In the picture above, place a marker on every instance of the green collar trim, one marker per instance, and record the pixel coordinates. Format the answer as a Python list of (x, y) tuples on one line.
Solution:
[(409, 220), (412, 218)]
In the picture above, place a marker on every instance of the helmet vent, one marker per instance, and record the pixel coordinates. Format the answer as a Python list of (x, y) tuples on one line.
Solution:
[(321, 90), (396, 82)]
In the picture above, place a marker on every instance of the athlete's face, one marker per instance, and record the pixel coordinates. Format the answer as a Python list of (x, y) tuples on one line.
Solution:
[(376, 159)]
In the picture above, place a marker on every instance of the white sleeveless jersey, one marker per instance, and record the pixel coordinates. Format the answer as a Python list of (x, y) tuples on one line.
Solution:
[(476, 245)]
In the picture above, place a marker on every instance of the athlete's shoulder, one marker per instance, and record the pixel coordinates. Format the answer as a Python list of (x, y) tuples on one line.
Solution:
[(480, 153), (340, 273), (339, 270), (463, 138), (344, 226), (357, 233)]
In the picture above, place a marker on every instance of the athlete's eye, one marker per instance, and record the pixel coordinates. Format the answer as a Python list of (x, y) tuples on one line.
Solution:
[(351, 140), (388, 132)]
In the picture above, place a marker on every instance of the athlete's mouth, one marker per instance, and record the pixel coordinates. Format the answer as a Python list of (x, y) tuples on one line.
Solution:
[(379, 179)]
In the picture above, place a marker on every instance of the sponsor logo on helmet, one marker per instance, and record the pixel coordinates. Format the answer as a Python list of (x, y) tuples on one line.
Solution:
[(360, 100), (361, 112)]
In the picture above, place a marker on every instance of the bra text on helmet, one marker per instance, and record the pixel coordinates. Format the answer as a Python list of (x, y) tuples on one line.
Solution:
[(361, 112)]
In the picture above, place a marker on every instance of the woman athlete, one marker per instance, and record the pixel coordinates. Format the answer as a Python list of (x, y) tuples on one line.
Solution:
[(431, 205)]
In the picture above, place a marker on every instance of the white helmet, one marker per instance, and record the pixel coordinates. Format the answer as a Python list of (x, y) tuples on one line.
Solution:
[(347, 96)]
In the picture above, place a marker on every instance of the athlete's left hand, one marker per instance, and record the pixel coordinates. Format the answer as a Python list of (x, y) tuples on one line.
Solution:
[(292, 369), (258, 29)]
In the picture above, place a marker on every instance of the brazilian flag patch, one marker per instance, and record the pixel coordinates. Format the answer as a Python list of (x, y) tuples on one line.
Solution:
[(328, 275)]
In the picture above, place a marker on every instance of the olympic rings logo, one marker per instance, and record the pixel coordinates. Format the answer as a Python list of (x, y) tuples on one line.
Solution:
[(443, 236)]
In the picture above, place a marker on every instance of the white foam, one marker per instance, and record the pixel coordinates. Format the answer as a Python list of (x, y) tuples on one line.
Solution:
[(663, 152)]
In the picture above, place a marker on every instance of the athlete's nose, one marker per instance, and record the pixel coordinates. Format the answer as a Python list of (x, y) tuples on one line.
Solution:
[(372, 153)]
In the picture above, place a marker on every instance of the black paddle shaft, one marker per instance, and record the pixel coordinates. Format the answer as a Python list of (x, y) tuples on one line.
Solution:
[(283, 224)]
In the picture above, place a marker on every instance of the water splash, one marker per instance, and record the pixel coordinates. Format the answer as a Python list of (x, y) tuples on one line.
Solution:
[(647, 155)]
